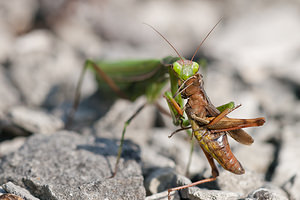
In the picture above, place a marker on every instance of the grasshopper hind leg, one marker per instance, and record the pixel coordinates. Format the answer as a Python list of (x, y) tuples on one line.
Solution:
[(214, 171)]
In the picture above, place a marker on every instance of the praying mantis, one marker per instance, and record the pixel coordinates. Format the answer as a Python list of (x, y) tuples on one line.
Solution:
[(210, 125), (130, 79)]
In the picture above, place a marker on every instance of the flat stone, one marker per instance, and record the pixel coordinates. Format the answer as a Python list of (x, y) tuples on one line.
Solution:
[(163, 179), (18, 15), (17, 190), (114, 120), (55, 66), (163, 196), (35, 120), (203, 194), (256, 157), (246, 41), (9, 94), (240, 184), (2, 191), (6, 40), (70, 166), (10, 146), (288, 166), (292, 185), (268, 192)]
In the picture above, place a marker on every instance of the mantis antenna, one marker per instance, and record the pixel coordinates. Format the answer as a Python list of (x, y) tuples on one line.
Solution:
[(165, 40), (205, 38)]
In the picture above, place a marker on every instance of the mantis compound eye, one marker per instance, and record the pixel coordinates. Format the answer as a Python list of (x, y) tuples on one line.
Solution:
[(177, 67), (195, 67)]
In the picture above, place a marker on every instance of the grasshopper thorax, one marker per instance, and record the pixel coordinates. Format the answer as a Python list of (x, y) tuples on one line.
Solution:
[(185, 68)]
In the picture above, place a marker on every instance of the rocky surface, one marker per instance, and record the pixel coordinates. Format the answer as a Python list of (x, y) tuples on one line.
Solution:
[(21, 192), (50, 167), (252, 59)]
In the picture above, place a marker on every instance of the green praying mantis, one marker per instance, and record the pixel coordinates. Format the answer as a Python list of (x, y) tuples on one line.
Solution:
[(131, 79)]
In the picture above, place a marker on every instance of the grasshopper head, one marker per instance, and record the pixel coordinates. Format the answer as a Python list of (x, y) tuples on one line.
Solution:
[(185, 68)]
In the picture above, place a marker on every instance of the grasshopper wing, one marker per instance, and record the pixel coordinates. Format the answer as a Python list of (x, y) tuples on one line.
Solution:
[(241, 136)]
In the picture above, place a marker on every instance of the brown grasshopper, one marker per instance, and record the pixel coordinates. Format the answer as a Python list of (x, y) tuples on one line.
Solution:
[(210, 127)]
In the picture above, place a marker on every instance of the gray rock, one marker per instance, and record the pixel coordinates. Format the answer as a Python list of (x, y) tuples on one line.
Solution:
[(272, 89), (203, 194), (270, 130), (154, 159), (2, 191), (6, 40), (18, 15), (157, 149), (166, 179), (34, 120), (10, 146), (9, 94), (163, 196), (254, 62), (266, 193), (179, 180), (290, 72), (257, 157), (223, 86), (53, 63), (195, 193), (240, 184), (176, 148), (163, 179), (288, 166), (248, 43), (119, 113), (67, 165), (118, 38), (17, 190), (84, 39), (292, 185)]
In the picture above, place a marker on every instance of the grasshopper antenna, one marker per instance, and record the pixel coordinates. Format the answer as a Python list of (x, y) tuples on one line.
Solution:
[(205, 38), (165, 40)]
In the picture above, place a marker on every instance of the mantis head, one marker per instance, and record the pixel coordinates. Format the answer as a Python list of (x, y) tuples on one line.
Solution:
[(185, 68)]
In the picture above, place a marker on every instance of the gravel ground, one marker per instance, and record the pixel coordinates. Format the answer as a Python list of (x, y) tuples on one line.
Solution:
[(253, 60)]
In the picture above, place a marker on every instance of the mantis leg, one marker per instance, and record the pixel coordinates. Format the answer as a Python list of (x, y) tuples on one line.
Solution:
[(77, 96), (179, 119), (187, 171), (123, 136), (162, 109), (215, 174)]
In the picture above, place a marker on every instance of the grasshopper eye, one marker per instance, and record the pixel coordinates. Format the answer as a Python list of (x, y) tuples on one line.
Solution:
[(177, 68), (195, 67)]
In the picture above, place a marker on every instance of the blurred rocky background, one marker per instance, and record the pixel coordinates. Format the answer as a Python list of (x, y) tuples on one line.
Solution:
[(253, 58)]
